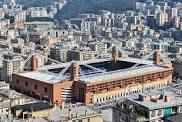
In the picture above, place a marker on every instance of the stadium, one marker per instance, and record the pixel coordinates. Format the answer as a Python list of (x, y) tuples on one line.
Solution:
[(93, 81)]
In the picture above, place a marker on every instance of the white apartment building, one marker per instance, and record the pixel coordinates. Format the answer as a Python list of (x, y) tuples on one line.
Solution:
[(38, 12), (2, 13), (161, 18), (59, 54), (20, 16), (11, 65)]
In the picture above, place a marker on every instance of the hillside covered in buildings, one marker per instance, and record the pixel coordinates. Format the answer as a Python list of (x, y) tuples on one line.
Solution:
[(75, 7)]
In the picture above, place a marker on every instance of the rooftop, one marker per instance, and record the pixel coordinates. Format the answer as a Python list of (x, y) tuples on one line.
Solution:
[(37, 22), (175, 118), (77, 112), (178, 61), (2, 83), (10, 93), (33, 107), (121, 73), (4, 102), (160, 102)]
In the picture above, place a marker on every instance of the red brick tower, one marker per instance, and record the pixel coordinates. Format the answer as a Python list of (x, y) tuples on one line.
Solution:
[(74, 71), (156, 57), (34, 63), (115, 53)]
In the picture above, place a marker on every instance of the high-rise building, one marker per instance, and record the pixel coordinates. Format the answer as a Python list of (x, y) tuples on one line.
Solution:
[(161, 18), (132, 19), (174, 12), (88, 26), (20, 16), (11, 64), (98, 46), (151, 21), (164, 6), (38, 12), (80, 54), (140, 6), (175, 21), (60, 54), (2, 13)]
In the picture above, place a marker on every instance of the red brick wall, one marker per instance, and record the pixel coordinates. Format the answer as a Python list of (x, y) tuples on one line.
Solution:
[(57, 88), (88, 97), (54, 90), (76, 91), (31, 86)]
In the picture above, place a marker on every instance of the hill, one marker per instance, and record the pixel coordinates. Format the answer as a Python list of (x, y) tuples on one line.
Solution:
[(75, 7)]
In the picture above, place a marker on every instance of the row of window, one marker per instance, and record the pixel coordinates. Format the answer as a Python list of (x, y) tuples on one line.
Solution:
[(114, 96), (124, 82), (85, 120), (102, 99), (35, 86), (3, 110)]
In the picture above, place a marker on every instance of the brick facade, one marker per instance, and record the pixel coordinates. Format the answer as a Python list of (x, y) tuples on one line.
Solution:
[(85, 92)]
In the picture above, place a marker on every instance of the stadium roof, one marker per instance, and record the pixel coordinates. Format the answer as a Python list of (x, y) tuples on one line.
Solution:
[(89, 72), (121, 73)]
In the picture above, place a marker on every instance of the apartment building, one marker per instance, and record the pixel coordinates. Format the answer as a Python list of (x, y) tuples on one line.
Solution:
[(11, 65)]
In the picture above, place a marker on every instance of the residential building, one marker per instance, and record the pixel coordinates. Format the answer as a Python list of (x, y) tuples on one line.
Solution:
[(11, 64), (81, 54), (38, 12), (20, 16), (4, 107), (151, 106), (4, 85), (59, 53)]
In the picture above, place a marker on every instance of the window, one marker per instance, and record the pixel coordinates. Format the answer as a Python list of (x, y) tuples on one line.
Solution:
[(88, 120), (81, 94), (35, 86), (160, 112), (26, 84), (56, 34), (153, 113), (45, 90)]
